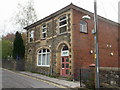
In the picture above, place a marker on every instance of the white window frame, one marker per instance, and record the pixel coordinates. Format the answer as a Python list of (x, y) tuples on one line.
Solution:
[(61, 26), (46, 56), (83, 28), (31, 36), (44, 31)]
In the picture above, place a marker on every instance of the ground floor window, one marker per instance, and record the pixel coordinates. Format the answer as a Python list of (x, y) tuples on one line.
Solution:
[(43, 57)]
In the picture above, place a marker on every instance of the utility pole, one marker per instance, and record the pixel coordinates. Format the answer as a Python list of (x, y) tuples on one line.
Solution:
[(97, 81)]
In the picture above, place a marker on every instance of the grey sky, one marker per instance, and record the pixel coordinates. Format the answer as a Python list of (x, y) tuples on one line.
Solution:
[(8, 8)]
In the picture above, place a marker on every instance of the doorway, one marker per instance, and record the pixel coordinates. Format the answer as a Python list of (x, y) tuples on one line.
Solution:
[(64, 61)]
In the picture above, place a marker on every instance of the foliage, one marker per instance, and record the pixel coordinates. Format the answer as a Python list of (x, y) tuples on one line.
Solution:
[(90, 84), (6, 49), (26, 15), (18, 47), (9, 36), (69, 78)]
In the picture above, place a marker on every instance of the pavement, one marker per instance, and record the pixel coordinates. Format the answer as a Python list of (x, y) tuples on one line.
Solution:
[(68, 84)]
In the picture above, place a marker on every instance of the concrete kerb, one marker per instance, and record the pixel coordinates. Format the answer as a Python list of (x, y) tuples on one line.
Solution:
[(63, 83)]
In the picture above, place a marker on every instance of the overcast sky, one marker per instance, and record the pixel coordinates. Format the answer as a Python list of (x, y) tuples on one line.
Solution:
[(106, 8)]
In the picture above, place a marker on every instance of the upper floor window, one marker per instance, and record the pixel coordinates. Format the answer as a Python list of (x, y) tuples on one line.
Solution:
[(83, 26), (63, 24), (44, 30), (43, 57), (31, 36)]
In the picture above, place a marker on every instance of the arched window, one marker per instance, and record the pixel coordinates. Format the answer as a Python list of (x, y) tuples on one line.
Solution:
[(43, 57), (29, 51), (83, 27), (31, 36), (65, 48), (65, 51), (63, 22), (44, 31)]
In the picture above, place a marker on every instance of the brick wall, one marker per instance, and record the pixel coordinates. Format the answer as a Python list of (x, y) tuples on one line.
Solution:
[(84, 42)]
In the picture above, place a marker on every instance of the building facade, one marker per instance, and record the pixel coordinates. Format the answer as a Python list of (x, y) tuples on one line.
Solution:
[(63, 42)]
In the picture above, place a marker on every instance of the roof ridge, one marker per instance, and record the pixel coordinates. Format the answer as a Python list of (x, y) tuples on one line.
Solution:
[(68, 7)]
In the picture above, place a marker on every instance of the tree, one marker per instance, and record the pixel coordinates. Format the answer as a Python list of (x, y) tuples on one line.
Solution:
[(6, 46), (6, 49), (18, 47), (26, 15), (9, 37)]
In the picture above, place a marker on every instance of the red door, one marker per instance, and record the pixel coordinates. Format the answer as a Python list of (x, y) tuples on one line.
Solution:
[(65, 66)]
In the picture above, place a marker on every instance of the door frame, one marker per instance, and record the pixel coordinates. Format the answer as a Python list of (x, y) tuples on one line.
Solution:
[(64, 54)]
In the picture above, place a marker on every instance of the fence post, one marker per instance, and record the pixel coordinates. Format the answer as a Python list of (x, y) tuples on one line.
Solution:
[(80, 78), (14, 66), (92, 73)]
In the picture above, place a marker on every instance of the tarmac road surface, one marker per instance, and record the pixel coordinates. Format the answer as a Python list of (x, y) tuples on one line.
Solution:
[(15, 80)]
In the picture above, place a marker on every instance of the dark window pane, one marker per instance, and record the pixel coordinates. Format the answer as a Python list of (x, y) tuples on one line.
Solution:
[(43, 30), (31, 39), (62, 59), (67, 71), (63, 23), (44, 50), (43, 35), (62, 18), (63, 29), (29, 51), (67, 59), (67, 65), (48, 50), (65, 48), (62, 65), (44, 26), (40, 51)]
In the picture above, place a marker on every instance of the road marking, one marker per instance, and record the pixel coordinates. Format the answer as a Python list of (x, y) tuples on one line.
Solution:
[(38, 79)]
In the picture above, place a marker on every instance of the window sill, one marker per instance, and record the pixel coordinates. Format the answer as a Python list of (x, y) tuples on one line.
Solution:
[(84, 32), (43, 38), (43, 65)]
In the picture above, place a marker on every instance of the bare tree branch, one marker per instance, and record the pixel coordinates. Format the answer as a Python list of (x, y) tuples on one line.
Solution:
[(26, 15)]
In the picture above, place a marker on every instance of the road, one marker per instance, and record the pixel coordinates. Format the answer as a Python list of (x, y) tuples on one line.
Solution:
[(16, 80)]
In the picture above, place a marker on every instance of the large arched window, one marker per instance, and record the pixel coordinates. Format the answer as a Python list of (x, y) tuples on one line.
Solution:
[(43, 57), (83, 26)]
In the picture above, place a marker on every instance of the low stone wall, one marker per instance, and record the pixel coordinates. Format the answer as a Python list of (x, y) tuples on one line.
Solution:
[(43, 70), (8, 64), (110, 76), (13, 64)]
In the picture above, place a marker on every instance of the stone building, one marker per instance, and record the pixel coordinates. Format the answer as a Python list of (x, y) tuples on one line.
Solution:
[(62, 43)]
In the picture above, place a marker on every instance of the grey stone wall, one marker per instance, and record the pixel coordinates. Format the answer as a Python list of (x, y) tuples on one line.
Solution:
[(111, 77), (37, 33), (52, 40), (54, 43)]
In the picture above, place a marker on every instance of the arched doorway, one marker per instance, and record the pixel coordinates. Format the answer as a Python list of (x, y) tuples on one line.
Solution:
[(64, 61)]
